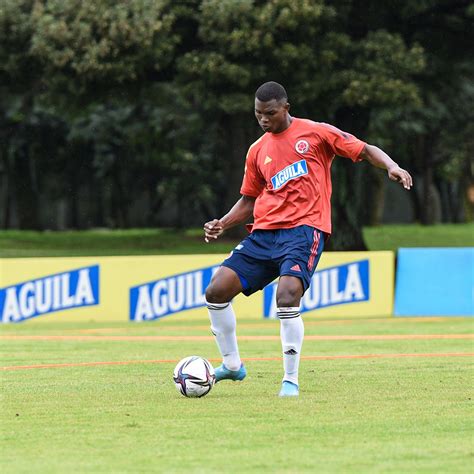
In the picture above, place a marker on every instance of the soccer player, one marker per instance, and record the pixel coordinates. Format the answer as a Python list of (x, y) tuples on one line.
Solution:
[(287, 188)]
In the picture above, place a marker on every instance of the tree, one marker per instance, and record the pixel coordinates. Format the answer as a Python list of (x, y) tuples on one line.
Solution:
[(431, 134), (21, 125), (71, 68)]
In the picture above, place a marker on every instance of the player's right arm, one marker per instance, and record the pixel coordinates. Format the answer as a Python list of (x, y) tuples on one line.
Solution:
[(241, 211), (252, 185)]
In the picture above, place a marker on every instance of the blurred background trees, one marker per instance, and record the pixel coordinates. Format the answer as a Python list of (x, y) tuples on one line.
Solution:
[(140, 113)]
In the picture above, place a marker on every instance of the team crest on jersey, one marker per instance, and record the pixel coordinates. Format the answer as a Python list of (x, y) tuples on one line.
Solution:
[(301, 146), (293, 171)]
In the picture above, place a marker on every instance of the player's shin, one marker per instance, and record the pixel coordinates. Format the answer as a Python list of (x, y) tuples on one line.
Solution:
[(292, 333), (223, 325)]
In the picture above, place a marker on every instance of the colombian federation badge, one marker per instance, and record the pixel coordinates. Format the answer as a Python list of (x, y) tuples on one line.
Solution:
[(302, 146)]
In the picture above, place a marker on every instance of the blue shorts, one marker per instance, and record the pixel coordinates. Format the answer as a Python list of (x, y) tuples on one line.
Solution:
[(267, 254)]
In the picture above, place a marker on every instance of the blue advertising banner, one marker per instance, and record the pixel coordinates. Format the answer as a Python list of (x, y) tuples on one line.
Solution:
[(435, 282), (51, 293), (342, 284), (159, 298)]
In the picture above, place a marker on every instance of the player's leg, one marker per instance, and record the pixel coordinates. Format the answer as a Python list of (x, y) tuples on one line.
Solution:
[(224, 285), (301, 249), (289, 292), (247, 270)]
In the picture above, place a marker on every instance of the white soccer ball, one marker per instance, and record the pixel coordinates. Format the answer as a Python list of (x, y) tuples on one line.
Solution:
[(194, 377)]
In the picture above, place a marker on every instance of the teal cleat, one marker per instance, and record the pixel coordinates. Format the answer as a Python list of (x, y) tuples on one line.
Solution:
[(223, 373), (289, 389)]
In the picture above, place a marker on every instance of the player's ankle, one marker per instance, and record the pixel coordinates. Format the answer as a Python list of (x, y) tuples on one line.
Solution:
[(291, 378), (232, 361)]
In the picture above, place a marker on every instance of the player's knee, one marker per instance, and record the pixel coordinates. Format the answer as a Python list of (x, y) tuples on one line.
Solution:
[(288, 297), (216, 294)]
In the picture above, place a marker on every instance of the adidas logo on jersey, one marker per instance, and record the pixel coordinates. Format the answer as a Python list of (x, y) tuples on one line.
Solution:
[(293, 171), (296, 268)]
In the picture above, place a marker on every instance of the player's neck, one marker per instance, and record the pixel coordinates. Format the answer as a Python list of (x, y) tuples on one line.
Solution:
[(285, 126)]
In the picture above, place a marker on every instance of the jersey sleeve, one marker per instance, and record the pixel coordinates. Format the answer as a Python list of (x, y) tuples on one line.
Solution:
[(341, 143), (253, 182)]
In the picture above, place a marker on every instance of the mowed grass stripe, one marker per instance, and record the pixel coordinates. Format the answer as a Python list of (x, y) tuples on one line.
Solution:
[(245, 359), (167, 325), (94, 338)]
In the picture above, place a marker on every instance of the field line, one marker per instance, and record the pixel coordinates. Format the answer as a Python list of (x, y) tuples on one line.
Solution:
[(265, 324), (371, 337), (174, 361)]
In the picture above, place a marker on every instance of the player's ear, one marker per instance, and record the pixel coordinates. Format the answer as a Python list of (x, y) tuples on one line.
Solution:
[(287, 106)]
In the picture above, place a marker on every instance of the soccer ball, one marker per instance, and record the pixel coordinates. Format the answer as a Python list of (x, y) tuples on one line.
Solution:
[(194, 377)]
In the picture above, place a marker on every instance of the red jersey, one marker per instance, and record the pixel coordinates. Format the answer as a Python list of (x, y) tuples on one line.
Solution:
[(290, 174)]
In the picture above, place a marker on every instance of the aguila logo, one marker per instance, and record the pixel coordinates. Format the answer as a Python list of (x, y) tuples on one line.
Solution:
[(302, 146)]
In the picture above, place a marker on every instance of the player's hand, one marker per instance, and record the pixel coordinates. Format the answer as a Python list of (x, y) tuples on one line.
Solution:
[(212, 230), (402, 176)]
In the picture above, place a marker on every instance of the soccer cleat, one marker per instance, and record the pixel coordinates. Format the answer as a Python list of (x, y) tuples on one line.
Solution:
[(223, 373), (289, 389)]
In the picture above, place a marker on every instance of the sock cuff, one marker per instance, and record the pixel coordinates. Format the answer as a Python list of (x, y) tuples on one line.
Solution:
[(288, 312), (217, 306)]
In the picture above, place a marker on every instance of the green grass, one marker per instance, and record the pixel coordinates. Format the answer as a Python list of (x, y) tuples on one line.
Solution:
[(395, 236), (106, 242), (372, 415), (171, 241)]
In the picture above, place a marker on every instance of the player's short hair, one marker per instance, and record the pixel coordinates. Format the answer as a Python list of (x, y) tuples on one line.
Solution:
[(271, 90)]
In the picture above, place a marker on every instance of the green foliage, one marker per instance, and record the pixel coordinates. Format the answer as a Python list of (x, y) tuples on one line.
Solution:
[(382, 72), (17, 64), (102, 42), (245, 43)]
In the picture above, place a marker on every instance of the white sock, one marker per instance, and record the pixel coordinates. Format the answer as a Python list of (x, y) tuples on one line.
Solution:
[(292, 334), (223, 325)]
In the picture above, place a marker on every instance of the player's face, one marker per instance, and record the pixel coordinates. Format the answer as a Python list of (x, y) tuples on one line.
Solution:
[(272, 116)]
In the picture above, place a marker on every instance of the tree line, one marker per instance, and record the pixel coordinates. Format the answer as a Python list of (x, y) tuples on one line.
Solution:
[(140, 112)]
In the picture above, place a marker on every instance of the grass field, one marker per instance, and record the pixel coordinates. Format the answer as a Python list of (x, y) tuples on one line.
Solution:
[(172, 241), (377, 395)]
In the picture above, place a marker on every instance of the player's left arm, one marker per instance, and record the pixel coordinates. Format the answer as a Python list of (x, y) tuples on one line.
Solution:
[(377, 157)]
